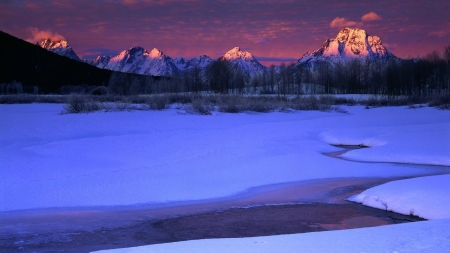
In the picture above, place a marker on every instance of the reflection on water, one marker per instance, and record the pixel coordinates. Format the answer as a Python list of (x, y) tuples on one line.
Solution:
[(356, 222), (91, 218)]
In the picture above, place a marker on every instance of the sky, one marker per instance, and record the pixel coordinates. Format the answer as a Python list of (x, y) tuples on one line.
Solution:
[(274, 31)]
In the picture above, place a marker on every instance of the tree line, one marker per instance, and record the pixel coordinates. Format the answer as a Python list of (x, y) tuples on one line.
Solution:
[(394, 77), (27, 68), (413, 77)]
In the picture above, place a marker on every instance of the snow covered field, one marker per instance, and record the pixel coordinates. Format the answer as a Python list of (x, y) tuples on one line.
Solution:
[(122, 158), (136, 157)]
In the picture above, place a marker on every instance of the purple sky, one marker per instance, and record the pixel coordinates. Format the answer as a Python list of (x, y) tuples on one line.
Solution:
[(272, 30)]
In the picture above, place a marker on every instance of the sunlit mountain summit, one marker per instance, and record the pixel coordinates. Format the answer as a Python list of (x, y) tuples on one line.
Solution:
[(349, 44), (60, 47)]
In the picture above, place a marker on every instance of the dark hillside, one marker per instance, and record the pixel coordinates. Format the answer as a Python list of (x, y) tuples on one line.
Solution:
[(33, 66)]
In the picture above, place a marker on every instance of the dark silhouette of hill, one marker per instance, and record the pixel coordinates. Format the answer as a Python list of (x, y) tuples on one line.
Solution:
[(33, 66)]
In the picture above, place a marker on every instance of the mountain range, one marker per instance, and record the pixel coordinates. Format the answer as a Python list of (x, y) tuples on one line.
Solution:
[(349, 44), (139, 61)]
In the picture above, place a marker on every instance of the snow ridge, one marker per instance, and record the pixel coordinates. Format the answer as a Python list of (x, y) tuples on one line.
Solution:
[(349, 44), (200, 62), (100, 61), (180, 62), (60, 47)]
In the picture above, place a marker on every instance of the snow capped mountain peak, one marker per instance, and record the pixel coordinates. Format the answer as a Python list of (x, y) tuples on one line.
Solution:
[(349, 43), (234, 50), (51, 44), (133, 52), (156, 53), (244, 61), (100, 61), (140, 61), (237, 53), (60, 47)]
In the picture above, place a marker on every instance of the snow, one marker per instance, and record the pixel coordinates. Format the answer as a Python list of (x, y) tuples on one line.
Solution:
[(52, 160), (427, 236), (200, 61), (426, 197), (123, 158), (140, 61), (180, 62), (155, 53), (244, 61), (237, 53), (432, 147)]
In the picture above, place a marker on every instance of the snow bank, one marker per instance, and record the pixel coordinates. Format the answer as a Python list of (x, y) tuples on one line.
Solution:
[(396, 134), (426, 197), (122, 158), (426, 236)]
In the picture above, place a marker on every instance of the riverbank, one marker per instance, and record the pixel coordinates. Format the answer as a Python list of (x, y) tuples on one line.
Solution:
[(319, 206)]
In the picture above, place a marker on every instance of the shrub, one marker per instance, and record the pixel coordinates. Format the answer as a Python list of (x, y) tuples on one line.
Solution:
[(339, 109), (122, 106), (231, 104), (200, 106), (30, 98), (75, 104), (312, 103), (81, 103), (441, 102), (157, 102), (179, 99), (16, 99), (345, 101), (260, 104)]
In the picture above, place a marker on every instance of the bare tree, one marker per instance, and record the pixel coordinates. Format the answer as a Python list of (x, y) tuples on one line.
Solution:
[(272, 77), (219, 75)]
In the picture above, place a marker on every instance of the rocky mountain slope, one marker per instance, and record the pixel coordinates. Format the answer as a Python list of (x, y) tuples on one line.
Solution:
[(137, 60), (200, 61), (349, 44), (245, 61), (60, 47)]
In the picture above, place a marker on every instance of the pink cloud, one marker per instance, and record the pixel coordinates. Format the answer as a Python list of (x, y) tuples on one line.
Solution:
[(38, 35), (64, 3), (154, 2), (440, 33), (339, 22), (256, 39), (371, 16), (33, 6), (129, 2)]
